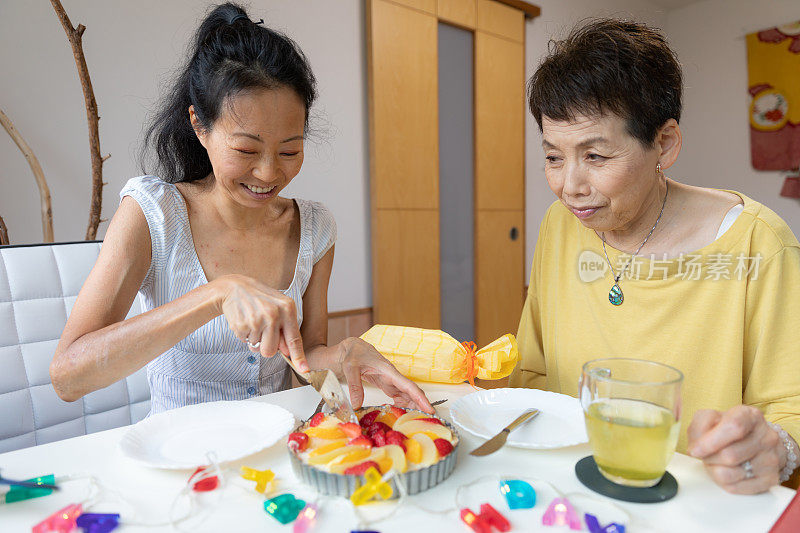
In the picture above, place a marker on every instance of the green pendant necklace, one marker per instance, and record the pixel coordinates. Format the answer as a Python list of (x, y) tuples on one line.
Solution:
[(615, 295)]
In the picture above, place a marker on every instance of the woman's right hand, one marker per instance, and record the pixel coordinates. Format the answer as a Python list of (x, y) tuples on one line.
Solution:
[(258, 313)]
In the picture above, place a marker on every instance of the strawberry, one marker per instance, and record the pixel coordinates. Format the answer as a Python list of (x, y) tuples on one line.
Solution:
[(351, 429), (443, 446), (395, 437), (397, 411), (432, 420), (361, 468), (298, 441), (316, 420), (361, 440), (369, 418)]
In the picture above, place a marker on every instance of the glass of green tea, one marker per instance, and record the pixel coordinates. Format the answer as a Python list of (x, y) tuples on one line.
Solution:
[(632, 411)]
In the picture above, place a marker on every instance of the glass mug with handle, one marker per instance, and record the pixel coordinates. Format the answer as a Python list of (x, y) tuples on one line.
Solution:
[(632, 410)]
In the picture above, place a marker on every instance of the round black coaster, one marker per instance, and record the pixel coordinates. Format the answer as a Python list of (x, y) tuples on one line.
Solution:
[(589, 475)]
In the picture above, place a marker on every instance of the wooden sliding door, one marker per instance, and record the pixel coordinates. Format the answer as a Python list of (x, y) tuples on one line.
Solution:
[(403, 69)]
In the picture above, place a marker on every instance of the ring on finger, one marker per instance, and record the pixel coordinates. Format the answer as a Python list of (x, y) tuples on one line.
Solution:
[(253, 346), (747, 466)]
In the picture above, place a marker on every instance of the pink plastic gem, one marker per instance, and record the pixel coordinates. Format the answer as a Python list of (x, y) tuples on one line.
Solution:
[(561, 513)]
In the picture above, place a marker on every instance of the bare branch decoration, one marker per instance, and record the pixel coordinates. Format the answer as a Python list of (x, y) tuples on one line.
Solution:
[(3, 233), (75, 36), (44, 190)]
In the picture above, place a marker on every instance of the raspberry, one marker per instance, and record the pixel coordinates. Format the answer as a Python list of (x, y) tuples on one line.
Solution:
[(432, 420), (361, 440), (395, 437), (316, 420), (378, 438), (369, 418), (378, 426), (298, 441), (351, 429), (443, 446), (361, 468)]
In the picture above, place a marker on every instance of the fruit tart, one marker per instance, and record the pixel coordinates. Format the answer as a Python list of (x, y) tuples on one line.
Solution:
[(332, 456)]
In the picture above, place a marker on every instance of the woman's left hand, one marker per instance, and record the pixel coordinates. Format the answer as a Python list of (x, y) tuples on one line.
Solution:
[(740, 451), (361, 361)]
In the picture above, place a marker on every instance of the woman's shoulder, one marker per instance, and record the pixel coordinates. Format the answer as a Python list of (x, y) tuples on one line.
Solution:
[(769, 232), (321, 225), (148, 186)]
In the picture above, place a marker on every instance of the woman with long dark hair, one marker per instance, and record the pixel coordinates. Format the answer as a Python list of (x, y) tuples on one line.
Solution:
[(227, 268)]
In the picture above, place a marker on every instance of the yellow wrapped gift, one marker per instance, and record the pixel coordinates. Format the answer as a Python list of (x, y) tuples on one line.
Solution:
[(433, 355)]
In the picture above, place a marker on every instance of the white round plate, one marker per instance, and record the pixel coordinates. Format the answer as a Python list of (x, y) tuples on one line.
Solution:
[(485, 413), (182, 438)]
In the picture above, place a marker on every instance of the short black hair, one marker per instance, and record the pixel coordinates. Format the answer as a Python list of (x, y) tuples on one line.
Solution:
[(609, 66), (230, 54)]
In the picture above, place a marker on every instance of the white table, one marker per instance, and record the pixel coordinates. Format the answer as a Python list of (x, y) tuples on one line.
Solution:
[(699, 506)]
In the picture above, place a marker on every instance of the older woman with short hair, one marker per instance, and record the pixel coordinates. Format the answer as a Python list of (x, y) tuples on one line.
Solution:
[(704, 280)]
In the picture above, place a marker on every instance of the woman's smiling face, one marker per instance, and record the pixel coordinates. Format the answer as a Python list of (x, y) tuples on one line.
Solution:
[(256, 145), (602, 174)]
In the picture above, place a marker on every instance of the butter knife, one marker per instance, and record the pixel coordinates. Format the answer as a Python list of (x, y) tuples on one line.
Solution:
[(327, 385), (497, 442)]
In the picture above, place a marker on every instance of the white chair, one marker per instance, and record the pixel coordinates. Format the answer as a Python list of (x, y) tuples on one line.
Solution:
[(38, 286)]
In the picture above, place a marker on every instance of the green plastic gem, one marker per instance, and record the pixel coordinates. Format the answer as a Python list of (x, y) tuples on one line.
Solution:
[(17, 493), (284, 508)]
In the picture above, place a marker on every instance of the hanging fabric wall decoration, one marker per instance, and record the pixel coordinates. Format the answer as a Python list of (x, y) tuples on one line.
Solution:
[(773, 64)]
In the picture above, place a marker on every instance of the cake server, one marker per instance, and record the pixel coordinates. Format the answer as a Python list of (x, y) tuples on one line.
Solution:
[(327, 385)]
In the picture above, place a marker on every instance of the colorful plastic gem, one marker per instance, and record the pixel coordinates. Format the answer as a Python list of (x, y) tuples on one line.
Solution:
[(475, 522), (594, 525), (491, 516), (262, 477), (97, 523), (561, 513), (202, 481), (373, 485), (62, 521), (306, 519), (284, 508), (519, 494), (17, 494)]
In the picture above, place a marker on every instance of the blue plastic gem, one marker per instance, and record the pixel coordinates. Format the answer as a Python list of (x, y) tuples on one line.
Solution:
[(594, 525), (519, 494), (97, 522)]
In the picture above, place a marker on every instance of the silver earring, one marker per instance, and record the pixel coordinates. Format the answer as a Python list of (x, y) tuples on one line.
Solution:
[(658, 168)]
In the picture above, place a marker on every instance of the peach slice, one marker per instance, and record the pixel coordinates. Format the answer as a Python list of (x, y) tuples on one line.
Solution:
[(328, 456), (338, 467), (410, 415), (413, 427), (398, 457), (413, 451), (350, 457), (327, 447), (329, 421), (387, 418), (429, 452), (326, 432)]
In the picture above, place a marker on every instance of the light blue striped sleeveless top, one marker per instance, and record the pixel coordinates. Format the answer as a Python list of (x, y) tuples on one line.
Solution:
[(211, 363)]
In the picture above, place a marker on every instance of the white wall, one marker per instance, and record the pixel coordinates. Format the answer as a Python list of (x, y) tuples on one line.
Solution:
[(709, 39), (557, 17), (131, 46)]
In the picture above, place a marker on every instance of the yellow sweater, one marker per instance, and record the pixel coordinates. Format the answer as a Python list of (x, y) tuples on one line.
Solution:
[(736, 340)]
